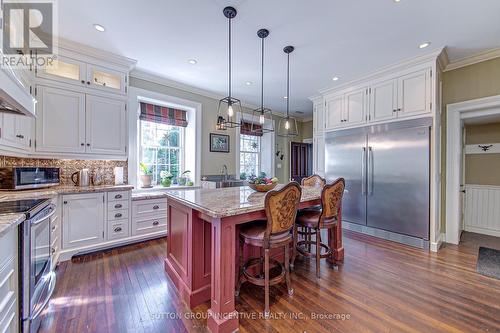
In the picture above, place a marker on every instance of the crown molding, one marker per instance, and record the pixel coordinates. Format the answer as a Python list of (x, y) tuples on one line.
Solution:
[(475, 59), (431, 56), (96, 53)]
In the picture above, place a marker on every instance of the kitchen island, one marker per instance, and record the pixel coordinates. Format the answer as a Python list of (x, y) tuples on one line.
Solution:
[(202, 245)]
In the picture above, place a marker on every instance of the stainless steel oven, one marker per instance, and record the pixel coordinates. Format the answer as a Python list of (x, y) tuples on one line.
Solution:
[(37, 278), (21, 178)]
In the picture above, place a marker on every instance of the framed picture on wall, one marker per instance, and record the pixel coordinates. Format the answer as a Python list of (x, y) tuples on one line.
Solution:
[(219, 143)]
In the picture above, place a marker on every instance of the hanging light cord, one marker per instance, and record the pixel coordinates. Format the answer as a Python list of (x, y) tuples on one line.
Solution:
[(262, 80), (288, 86), (229, 60)]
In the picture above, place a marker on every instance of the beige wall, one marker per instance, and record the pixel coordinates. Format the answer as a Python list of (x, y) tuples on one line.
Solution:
[(471, 82), (307, 130), (482, 169), (212, 162)]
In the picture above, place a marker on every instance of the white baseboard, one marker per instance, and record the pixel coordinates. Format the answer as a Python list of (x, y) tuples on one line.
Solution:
[(66, 254), (435, 246)]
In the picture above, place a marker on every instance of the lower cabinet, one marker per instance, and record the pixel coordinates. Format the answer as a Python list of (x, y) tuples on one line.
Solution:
[(9, 315), (149, 216), (83, 219)]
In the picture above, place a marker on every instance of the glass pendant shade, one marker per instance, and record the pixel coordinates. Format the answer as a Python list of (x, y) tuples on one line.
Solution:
[(228, 106), (262, 118), (287, 126)]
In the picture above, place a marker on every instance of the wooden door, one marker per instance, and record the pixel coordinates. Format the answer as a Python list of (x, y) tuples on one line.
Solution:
[(105, 125), (300, 160)]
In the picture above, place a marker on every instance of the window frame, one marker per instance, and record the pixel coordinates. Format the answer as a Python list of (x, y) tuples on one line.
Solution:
[(182, 151), (259, 153)]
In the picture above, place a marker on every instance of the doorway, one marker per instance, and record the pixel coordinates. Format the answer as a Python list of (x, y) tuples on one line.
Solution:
[(300, 161), (469, 206)]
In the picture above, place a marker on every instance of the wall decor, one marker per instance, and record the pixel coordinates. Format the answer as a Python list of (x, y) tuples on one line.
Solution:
[(219, 143)]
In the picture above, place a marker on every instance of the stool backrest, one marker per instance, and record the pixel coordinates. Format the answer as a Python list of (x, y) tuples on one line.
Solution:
[(331, 200), (281, 208), (314, 180)]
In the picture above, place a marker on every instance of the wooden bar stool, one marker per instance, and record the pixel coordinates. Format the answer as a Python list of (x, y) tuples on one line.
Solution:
[(315, 220), (281, 211), (313, 181)]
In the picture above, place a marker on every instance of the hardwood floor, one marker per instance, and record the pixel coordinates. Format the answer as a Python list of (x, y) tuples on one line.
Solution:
[(382, 287)]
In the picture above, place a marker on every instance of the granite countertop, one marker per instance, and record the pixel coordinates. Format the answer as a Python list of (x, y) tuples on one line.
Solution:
[(8, 221), (223, 202), (158, 193), (50, 192)]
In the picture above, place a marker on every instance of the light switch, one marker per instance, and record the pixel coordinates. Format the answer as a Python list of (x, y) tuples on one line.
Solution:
[(279, 166)]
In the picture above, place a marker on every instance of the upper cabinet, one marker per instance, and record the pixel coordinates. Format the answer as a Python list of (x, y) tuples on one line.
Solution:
[(15, 130), (318, 117), (408, 94), (71, 71)]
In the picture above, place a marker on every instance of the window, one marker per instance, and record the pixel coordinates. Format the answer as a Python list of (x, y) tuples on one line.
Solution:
[(161, 149), (249, 155)]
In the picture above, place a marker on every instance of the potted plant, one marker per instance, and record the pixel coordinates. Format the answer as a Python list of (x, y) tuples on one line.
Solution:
[(166, 178), (184, 178), (147, 174)]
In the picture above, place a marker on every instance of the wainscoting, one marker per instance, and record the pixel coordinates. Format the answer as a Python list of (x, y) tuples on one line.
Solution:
[(482, 209)]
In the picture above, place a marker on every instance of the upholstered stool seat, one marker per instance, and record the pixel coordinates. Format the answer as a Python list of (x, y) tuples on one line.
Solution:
[(312, 221), (281, 211)]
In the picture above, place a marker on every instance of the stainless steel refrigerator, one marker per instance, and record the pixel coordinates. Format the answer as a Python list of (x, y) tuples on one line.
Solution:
[(386, 168)]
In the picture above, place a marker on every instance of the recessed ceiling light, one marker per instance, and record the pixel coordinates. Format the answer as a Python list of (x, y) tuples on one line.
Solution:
[(424, 45), (335, 78), (99, 27), (396, 1), (285, 97), (249, 83), (193, 61)]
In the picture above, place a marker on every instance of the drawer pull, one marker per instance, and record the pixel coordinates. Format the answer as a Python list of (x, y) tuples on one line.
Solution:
[(156, 207), (118, 206), (156, 223), (118, 196), (118, 229), (118, 215)]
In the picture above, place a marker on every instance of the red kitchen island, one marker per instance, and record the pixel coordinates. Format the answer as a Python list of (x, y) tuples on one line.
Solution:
[(202, 245)]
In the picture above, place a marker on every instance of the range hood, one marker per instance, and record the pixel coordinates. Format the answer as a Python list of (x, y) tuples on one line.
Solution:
[(14, 96)]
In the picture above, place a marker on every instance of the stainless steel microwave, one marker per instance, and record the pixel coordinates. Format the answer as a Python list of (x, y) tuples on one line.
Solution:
[(23, 178)]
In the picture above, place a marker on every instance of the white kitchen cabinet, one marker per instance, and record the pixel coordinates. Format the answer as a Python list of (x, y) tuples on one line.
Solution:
[(15, 130), (383, 100), (66, 70), (105, 125), (9, 282), (318, 118), (319, 155), (106, 79), (83, 220), (355, 106), (334, 111), (149, 216), (414, 93), (60, 122)]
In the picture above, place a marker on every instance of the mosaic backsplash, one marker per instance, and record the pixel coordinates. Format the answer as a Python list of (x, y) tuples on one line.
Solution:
[(68, 167)]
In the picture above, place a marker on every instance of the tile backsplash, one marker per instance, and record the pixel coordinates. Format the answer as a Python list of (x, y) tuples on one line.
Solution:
[(68, 167)]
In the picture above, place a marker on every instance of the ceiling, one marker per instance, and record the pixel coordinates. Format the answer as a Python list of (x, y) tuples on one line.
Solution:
[(344, 38)]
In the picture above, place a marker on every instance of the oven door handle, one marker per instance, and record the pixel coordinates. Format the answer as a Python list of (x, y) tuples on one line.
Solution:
[(50, 291), (41, 219)]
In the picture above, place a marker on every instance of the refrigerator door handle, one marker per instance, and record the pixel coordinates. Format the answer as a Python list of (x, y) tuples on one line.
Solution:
[(370, 170), (363, 172)]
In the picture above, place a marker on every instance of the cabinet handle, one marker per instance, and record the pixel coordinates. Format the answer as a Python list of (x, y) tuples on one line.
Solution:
[(20, 136), (118, 196), (156, 223), (399, 110), (88, 144), (82, 144), (118, 206), (118, 229), (395, 110), (118, 215), (52, 250), (156, 207), (53, 227), (83, 81), (88, 82), (65, 202)]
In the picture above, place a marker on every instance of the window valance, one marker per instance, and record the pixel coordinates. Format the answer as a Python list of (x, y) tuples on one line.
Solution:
[(246, 129), (163, 115)]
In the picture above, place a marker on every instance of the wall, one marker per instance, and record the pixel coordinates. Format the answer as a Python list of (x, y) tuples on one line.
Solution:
[(482, 169), (462, 84), (307, 130), (211, 163), (68, 167)]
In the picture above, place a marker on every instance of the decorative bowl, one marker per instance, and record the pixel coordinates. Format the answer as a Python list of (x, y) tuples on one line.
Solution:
[(262, 187)]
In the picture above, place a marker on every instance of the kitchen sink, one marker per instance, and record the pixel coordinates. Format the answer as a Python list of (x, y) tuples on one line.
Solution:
[(229, 183)]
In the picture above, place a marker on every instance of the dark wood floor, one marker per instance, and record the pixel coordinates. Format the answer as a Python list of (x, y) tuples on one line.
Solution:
[(382, 287)]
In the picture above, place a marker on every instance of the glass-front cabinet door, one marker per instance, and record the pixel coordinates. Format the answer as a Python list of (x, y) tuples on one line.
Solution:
[(64, 70), (107, 79)]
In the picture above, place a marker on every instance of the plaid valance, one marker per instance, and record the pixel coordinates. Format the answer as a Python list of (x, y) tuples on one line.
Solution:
[(163, 115), (246, 128)]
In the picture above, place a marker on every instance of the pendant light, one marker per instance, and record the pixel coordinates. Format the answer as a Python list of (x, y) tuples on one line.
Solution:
[(287, 126), (264, 115), (226, 111)]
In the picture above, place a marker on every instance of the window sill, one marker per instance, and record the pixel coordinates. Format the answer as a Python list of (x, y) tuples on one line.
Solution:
[(159, 188)]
